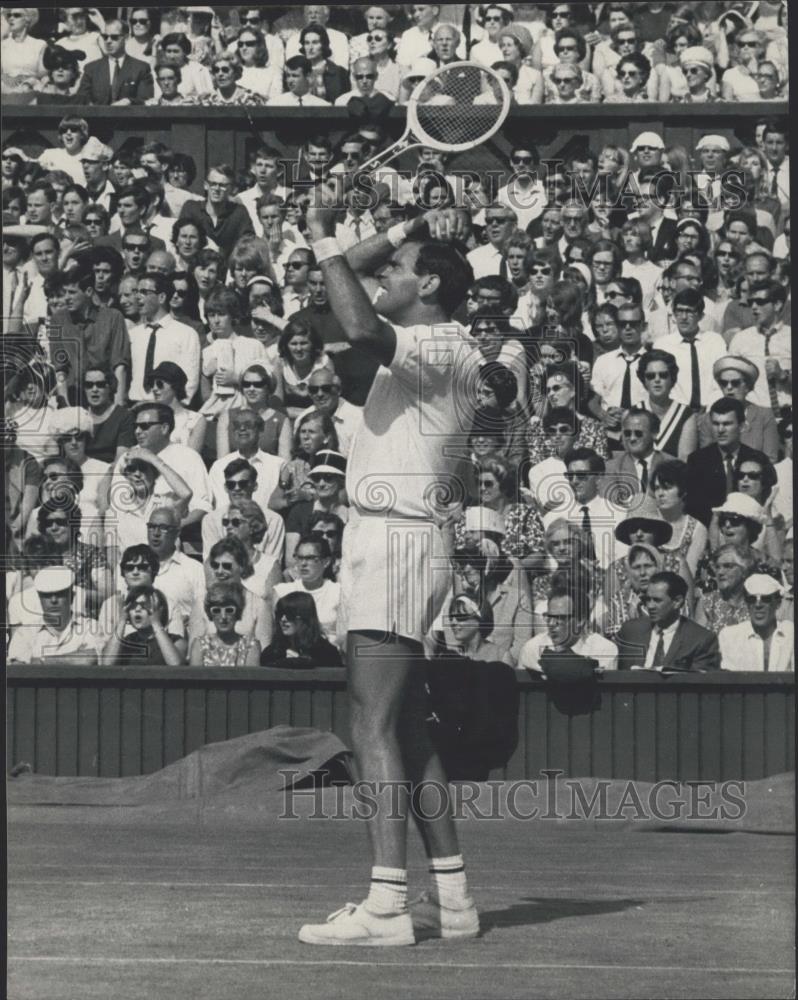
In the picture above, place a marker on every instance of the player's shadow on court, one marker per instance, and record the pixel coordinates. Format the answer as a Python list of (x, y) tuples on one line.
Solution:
[(539, 910)]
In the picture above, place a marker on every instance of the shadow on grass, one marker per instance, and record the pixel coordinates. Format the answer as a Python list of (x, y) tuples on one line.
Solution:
[(539, 910)]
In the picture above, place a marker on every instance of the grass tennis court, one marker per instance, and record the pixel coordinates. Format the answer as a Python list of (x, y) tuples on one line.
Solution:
[(131, 904)]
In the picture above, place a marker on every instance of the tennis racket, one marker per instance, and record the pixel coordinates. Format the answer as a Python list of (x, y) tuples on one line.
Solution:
[(459, 106)]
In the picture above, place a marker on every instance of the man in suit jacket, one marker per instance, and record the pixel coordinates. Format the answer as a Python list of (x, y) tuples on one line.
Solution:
[(665, 640), (638, 460), (117, 79), (653, 187), (711, 471)]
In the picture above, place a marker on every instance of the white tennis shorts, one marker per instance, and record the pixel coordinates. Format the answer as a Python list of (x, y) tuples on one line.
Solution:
[(394, 575)]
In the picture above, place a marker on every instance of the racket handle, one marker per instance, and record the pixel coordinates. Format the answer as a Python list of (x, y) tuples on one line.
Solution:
[(390, 153)]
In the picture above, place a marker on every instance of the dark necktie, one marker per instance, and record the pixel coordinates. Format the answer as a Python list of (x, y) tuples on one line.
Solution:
[(695, 377), (728, 462), (774, 183), (358, 230), (587, 534), (643, 475), (626, 389), (149, 358), (299, 100), (503, 269), (659, 652)]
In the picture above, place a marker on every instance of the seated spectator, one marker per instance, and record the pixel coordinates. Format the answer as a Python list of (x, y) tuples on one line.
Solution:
[(81, 33), (73, 135), (547, 482), (470, 625), (229, 564), (117, 78), (571, 51), (739, 82), (665, 640), (677, 432), (246, 521), (241, 483), (298, 639), (669, 485), (329, 80), (168, 80), (733, 564), (565, 389), (160, 338), (326, 477), (224, 646), (298, 83), (22, 54), (325, 391), (65, 638), (516, 44), (499, 413), (767, 345), (761, 642), (258, 75), (112, 424), (146, 613), (313, 557), (331, 528), (756, 477), (256, 393), (697, 67), (301, 353), (568, 630), (222, 219), (739, 520), (635, 465), (365, 101), (167, 384), (226, 71), (628, 600), (228, 356), (74, 436), (497, 345), (246, 429), (518, 523), (567, 559), (195, 80)]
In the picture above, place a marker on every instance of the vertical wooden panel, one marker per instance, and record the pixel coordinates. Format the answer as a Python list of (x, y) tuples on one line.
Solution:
[(67, 721), (580, 764), (753, 735), (558, 748), (196, 734), (667, 734), (623, 734), (11, 727), (321, 711), (300, 708), (219, 145), (645, 729), (688, 743), (130, 742), (259, 709), (152, 729), (174, 724), (280, 709), (601, 730), (216, 722), (46, 731), (340, 706), (24, 739), (88, 730), (710, 708), (775, 731), (731, 735), (238, 712), (109, 732), (534, 736)]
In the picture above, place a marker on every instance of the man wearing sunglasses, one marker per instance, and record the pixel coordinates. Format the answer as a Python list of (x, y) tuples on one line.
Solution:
[(523, 193), (241, 483), (763, 643), (768, 344), (736, 376), (117, 79), (325, 391), (712, 471)]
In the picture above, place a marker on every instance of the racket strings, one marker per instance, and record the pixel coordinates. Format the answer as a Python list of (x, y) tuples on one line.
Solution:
[(459, 106)]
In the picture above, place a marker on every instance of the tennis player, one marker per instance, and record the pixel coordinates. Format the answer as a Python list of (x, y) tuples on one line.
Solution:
[(394, 294)]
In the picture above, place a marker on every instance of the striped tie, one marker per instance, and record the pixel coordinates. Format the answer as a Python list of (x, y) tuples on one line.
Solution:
[(773, 391)]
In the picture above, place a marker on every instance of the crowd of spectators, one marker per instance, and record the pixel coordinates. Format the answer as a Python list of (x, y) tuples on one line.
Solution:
[(181, 401), (552, 53)]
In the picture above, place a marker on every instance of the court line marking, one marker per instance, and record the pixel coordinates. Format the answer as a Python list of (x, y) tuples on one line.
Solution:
[(336, 885), (114, 960)]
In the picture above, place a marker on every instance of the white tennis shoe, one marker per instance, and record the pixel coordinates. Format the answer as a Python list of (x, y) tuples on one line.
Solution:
[(430, 919), (355, 925)]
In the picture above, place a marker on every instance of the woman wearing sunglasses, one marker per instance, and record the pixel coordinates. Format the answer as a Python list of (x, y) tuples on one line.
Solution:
[(168, 385), (226, 71), (229, 563), (224, 645), (258, 74), (21, 54), (140, 637), (245, 520), (143, 40), (256, 392), (298, 637)]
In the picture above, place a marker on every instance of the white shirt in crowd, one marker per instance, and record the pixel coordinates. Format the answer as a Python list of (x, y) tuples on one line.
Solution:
[(589, 644), (175, 342), (347, 419), (609, 372), (709, 348), (667, 638), (267, 466), (325, 597), (741, 648)]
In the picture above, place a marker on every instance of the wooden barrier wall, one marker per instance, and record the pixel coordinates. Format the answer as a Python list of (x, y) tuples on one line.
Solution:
[(116, 722)]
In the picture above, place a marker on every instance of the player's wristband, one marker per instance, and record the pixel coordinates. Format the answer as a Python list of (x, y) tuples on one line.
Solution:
[(396, 235), (326, 248)]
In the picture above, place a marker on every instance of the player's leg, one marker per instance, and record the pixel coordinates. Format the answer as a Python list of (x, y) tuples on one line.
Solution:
[(448, 911), (378, 674)]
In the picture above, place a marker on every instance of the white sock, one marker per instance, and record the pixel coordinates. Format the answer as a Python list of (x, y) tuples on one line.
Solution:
[(449, 879), (388, 890)]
